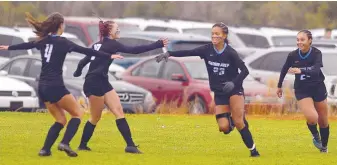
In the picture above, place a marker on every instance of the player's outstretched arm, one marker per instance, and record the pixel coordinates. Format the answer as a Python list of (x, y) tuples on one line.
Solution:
[(199, 51), (139, 49), (22, 46)]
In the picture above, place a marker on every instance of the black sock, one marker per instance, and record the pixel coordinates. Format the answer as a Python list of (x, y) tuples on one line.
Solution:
[(246, 122), (87, 133), (124, 129), (247, 138), (313, 130), (52, 135), (324, 135), (71, 130)]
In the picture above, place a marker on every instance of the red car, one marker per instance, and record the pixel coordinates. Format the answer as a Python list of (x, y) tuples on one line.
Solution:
[(86, 28), (185, 80)]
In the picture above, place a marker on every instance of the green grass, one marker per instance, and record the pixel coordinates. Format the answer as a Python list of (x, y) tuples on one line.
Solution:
[(165, 139)]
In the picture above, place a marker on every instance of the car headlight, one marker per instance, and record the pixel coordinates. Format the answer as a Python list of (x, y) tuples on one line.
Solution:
[(149, 98), (33, 93)]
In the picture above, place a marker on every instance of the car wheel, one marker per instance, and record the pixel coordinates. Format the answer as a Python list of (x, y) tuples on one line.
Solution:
[(197, 106)]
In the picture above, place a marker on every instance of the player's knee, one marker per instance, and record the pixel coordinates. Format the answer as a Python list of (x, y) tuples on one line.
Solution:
[(312, 118), (118, 111), (238, 121), (223, 122), (224, 128), (78, 114)]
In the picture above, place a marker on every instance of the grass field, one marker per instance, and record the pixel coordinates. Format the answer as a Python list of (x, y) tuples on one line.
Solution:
[(165, 139)]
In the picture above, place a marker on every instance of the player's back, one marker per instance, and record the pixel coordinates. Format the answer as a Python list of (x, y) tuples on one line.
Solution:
[(53, 51)]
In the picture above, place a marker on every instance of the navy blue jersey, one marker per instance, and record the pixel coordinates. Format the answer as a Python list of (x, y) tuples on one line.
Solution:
[(310, 64), (53, 51), (99, 67), (221, 66)]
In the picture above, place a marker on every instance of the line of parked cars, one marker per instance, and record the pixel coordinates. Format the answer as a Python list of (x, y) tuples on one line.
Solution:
[(142, 84)]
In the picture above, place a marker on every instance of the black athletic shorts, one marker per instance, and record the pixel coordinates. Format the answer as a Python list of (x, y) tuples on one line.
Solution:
[(96, 87), (318, 92), (52, 94), (223, 99)]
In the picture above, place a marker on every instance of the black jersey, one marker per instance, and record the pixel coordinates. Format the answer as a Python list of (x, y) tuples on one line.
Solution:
[(99, 67), (221, 66), (310, 64), (53, 51)]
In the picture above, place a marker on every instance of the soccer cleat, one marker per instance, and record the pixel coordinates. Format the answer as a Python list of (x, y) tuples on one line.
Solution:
[(324, 150), (66, 148), (132, 149), (317, 142), (44, 153), (84, 148), (254, 153)]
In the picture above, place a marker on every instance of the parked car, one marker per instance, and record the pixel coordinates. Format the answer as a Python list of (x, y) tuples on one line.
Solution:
[(86, 28), (265, 66), (184, 80), (16, 35), (16, 95), (27, 68)]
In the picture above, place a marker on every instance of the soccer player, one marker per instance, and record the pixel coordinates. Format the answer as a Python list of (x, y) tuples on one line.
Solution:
[(98, 89), (310, 91), (222, 63), (52, 92)]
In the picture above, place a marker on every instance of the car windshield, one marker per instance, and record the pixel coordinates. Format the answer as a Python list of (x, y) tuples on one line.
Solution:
[(74, 40), (284, 40), (255, 41), (186, 45), (197, 69), (70, 66), (201, 31)]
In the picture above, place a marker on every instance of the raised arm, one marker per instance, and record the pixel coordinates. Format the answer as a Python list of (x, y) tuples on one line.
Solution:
[(199, 51), (241, 65), (86, 51), (23, 46), (284, 71), (315, 69), (137, 49)]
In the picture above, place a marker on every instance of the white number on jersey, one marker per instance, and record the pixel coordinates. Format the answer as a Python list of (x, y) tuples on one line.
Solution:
[(96, 47), (48, 51), (302, 77)]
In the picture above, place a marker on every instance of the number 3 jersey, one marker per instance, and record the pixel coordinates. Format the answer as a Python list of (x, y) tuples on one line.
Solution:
[(309, 63), (53, 51)]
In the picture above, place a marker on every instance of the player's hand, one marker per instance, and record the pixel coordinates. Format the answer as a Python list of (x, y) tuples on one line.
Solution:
[(279, 92), (294, 71), (228, 86), (4, 47), (162, 56), (165, 41), (116, 56)]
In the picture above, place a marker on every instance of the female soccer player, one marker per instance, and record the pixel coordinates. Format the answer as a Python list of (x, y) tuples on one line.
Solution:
[(310, 91), (98, 89), (52, 91), (222, 63)]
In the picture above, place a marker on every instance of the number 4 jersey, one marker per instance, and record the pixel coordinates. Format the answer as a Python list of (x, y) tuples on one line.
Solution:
[(53, 51), (309, 63)]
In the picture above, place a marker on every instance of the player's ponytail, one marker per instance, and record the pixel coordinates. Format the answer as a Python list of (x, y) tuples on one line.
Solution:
[(224, 30), (50, 25)]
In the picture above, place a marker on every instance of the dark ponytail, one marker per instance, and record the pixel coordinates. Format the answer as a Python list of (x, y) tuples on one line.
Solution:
[(50, 25), (224, 30)]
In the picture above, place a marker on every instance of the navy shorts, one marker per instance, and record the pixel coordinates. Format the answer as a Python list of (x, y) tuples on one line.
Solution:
[(52, 94), (318, 93), (96, 87), (223, 99)]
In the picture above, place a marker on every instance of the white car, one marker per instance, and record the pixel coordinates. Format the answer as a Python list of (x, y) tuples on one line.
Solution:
[(16, 95), (16, 35), (265, 66)]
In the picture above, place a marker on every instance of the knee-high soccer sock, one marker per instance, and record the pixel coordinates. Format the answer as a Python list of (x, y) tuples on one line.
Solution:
[(245, 121), (71, 130), (313, 130), (124, 129), (247, 138), (325, 135), (87, 133), (52, 135)]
